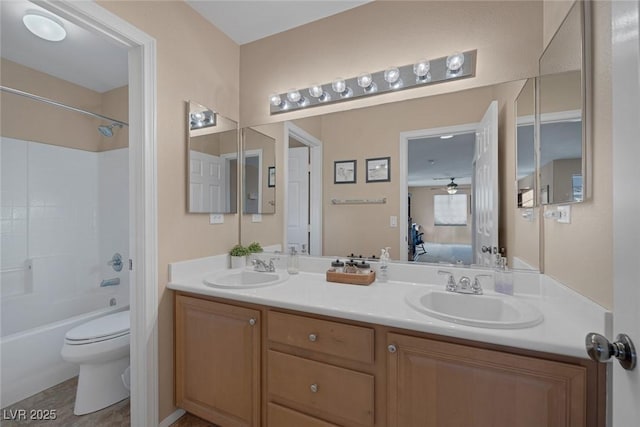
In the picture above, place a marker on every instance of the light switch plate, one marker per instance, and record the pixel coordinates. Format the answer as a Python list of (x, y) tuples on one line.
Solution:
[(564, 214), (216, 219), (393, 221), (256, 218)]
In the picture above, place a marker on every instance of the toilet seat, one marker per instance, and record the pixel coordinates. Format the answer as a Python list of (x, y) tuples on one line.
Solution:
[(104, 328)]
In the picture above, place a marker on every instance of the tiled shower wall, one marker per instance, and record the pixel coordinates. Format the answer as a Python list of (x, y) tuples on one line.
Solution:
[(64, 213)]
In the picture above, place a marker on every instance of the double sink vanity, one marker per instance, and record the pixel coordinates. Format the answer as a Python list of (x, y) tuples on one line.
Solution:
[(268, 348)]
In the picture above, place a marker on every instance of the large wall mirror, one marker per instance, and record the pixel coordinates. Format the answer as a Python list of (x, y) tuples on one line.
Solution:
[(259, 172), (525, 147), (563, 112), (212, 156), (427, 145)]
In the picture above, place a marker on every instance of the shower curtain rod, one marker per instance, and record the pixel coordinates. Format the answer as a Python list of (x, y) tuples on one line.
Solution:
[(59, 104)]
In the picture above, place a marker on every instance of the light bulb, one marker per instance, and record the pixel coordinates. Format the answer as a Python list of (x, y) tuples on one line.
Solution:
[(294, 95), (275, 100), (421, 68), (339, 85), (391, 75), (365, 80), (455, 62), (316, 91)]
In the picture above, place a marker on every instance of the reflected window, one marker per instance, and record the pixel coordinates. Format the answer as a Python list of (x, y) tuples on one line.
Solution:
[(450, 209)]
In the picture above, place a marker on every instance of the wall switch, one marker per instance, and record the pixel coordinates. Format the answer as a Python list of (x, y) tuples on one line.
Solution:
[(256, 218), (393, 221), (216, 219), (564, 214)]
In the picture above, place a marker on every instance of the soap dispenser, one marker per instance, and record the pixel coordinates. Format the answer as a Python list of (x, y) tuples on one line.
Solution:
[(383, 274), (292, 261), (503, 276)]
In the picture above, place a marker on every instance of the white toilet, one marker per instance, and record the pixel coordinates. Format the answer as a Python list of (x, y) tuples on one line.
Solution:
[(101, 348)]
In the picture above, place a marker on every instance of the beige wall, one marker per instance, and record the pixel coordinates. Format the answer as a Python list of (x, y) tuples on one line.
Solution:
[(508, 36), (579, 254), (30, 120), (195, 61)]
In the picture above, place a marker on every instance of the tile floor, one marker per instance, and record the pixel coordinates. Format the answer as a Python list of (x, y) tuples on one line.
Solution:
[(62, 397)]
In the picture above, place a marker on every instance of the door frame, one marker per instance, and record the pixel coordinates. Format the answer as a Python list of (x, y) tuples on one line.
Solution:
[(143, 199), (403, 169), (315, 183), (252, 153)]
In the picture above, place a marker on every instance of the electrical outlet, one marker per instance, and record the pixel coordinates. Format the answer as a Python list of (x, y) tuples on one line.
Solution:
[(216, 219), (393, 221), (256, 218), (564, 214)]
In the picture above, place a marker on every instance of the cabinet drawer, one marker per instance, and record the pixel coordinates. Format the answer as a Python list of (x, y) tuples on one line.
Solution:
[(279, 416), (323, 336), (332, 393)]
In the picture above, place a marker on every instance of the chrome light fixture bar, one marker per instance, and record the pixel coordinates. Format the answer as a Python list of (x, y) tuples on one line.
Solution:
[(423, 72)]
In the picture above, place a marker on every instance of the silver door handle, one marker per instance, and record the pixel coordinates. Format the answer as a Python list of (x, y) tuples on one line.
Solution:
[(600, 349)]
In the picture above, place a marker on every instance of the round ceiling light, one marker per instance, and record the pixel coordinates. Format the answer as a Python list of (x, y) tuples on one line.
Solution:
[(45, 27)]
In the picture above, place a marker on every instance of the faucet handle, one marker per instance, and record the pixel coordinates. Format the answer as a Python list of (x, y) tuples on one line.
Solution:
[(477, 286), (464, 283), (451, 281)]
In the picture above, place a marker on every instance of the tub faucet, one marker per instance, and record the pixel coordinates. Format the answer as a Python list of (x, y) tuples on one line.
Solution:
[(260, 265)]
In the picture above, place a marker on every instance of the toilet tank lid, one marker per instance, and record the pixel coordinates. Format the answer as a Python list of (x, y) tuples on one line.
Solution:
[(112, 324)]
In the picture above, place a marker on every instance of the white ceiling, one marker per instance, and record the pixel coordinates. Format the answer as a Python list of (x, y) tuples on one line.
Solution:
[(432, 162), (82, 57), (251, 20)]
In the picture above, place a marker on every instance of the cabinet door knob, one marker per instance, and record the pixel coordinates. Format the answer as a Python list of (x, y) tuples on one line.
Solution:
[(392, 348), (314, 388), (313, 337), (252, 321)]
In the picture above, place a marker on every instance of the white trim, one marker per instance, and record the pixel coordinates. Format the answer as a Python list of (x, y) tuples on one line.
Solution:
[(172, 418), (142, 195), (315, 211), (558, 116), (403, 169)]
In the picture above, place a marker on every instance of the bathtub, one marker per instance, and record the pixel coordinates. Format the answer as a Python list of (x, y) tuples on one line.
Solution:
[(31, 360)]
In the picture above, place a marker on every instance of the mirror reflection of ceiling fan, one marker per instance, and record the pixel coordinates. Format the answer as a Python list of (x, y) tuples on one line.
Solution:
[(452, 187)]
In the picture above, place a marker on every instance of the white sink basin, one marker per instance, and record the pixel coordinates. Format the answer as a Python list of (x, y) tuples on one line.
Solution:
[(484, 311), (244, 279)]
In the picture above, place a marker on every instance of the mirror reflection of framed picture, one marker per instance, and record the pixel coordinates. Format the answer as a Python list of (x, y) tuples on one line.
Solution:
[(378, 169), (272, 177), (344, 172)]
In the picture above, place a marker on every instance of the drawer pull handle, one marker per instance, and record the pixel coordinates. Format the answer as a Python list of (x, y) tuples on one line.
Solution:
[(313, 337), (252, 321), (314, 388), (392, 348)]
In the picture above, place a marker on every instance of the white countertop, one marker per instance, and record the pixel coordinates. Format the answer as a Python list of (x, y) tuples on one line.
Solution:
[(568, 316)]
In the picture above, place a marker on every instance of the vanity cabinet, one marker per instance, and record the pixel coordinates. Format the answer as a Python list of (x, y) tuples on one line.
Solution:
[(218, 361), (434, 383), (310, 370)]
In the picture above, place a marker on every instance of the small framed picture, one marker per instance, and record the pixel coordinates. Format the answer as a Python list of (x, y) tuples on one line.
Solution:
[(378, 169), (272, 177), (344, 172)]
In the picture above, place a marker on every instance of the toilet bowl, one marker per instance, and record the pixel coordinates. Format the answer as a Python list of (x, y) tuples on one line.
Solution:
[(101, 348)]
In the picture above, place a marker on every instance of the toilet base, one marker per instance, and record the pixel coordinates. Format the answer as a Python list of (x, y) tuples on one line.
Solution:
[(100, 385)]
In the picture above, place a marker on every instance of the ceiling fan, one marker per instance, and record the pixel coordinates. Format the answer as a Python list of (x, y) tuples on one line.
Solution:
[(452, 187)]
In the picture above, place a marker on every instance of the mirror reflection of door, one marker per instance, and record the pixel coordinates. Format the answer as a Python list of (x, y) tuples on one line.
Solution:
[(253, 181), (298, 200), (452, 180)]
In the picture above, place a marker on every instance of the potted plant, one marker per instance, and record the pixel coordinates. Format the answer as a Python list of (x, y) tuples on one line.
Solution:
[(254, 248), (238, 256)]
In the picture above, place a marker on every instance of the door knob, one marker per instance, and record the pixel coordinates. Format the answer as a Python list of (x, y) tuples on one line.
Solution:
[(600, 349)]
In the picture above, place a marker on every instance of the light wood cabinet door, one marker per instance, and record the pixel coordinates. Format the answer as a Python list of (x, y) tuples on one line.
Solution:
[(218, 361), (438, 384)]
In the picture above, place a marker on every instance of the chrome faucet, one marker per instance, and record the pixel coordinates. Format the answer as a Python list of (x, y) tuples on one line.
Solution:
[(464, 285), (260, 265)]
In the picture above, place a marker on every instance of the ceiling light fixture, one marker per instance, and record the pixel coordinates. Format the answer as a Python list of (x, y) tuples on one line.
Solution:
[(44, 26), (202, 119), (421, 73), (452, 187), (446, 136)]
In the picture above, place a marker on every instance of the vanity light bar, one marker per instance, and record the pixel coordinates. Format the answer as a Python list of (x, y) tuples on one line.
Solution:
[(392, 79)]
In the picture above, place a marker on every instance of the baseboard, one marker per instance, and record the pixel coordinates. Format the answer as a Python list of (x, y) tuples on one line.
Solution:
[(172, 418)]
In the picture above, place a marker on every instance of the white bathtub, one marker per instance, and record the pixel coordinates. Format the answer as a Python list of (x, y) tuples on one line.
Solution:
[(31, 360)]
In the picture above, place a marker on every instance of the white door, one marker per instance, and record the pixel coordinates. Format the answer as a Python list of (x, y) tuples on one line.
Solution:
[(206, 182), (485, 188), (298, 200), (625, 408)]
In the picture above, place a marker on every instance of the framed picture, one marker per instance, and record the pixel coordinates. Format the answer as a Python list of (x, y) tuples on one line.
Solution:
[(344, 172), (272, 177), (378, 169)]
